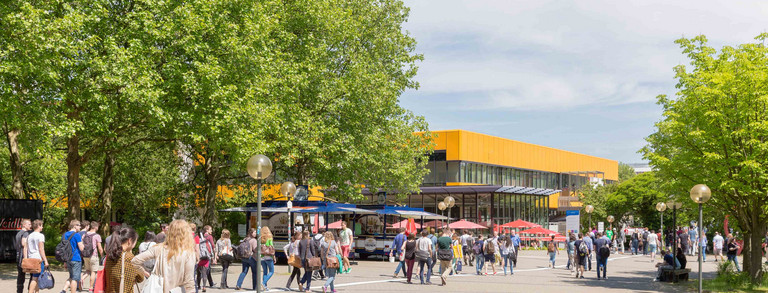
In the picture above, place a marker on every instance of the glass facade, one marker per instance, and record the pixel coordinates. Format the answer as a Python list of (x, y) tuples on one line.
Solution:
[(442, 172)]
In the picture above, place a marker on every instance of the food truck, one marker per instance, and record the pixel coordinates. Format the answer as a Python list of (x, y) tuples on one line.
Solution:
[(12, 212)]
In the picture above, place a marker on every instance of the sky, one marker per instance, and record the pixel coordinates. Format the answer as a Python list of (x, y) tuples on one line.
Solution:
[(581, 76)]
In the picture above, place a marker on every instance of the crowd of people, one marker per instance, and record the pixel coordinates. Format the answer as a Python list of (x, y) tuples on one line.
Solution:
[(179, 256)]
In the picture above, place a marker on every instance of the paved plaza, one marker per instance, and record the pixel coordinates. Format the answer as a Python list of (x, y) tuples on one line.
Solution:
[(626, 273)]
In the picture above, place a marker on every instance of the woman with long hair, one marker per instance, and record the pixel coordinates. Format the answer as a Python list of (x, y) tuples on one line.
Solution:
[(292, 251), (307, 250), (225, 255), (249, 263), (121, 275), (206, 256), (333, 249), (267, 257), (409, 248), (174, 259), (508, 253)]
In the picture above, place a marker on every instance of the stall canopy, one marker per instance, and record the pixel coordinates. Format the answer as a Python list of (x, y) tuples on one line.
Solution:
[(335, 225), (464, 224), (302, 207), (539, 230), (407, 212), (519, 224), (403, 224)]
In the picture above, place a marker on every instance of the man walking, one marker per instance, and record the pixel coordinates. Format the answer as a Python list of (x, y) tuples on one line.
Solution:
[(477, 249), (424, 256), (516, 242), (652, 244), (445, 255), (602, 252), (397, 246), (580, 255), (75, 263), (717, 246), (345, 239), (552, 251), (433, 257), (591, 247), (20, 243), (465, 249), (92, 249)]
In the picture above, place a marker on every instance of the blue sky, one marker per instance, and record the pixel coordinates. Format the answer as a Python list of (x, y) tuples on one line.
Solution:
[(576, 75)]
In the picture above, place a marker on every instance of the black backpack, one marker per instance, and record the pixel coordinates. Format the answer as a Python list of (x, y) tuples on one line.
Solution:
[(604, 252), (88, 245), (64, 249), (244, 250)]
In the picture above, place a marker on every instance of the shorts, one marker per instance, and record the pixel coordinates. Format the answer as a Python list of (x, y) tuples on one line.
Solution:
[(345, 251), (652, 247), (86, 264), (718, 251), (75, 268), (42, 268), (490, 257)]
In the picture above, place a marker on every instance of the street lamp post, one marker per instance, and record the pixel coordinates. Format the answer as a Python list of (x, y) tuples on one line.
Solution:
[(441, 206), (449, 203), (661, 207), (589, 209), (610, 221), (288, 189), (259, 167), (700, 194)]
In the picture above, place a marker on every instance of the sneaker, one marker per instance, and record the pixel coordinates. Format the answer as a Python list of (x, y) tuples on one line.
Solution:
[(325, 289)]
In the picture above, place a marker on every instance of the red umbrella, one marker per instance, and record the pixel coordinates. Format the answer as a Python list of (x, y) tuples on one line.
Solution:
[(317, 223), (335, 225), (518, 224), (434, 223), (410, 227), (539, 230), (464, 224), (403, 224)]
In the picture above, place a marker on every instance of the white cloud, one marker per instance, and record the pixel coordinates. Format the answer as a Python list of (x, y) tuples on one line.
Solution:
[(558, 54)]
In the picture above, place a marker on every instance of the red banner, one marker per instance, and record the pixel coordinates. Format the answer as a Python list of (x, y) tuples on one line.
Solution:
[(10, 224)]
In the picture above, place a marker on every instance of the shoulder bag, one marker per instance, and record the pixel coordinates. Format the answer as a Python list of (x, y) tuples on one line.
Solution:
[(31, 265), (154, 284), (331, 262), (314, 262)]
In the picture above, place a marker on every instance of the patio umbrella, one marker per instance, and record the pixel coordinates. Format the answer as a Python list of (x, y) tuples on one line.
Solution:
[(435, 223), (335, 225), (410, 226), (539, 230), (403, 224), (464, 224), (519, 224)]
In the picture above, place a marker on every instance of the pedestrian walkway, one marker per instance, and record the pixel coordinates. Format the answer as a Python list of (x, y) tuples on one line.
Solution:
[(626, 273)]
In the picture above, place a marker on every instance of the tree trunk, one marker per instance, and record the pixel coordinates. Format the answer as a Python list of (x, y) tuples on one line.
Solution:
[(73, 177), (17, 172), (753, 262), (107, 186), (212, 187)]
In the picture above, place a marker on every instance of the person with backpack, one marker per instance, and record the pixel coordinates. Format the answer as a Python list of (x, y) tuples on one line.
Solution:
[(206, 256), (92, 250), (489, 252), (424, 256), (245, 252), (582, 251), (319, 240), (602, 251), (225, 256), (308, 250), (477, 249), (294, 260), (267, 248), (552, 251), (68, 252)]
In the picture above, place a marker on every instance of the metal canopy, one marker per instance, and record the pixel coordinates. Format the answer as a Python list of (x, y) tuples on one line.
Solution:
[(407, 212), (482, 189)]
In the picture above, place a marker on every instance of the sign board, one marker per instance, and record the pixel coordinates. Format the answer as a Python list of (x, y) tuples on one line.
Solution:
[(600, 226), (241, 230), (572, 220), (553, 227)]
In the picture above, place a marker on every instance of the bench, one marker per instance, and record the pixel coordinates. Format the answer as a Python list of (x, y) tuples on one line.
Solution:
[(675, 275)]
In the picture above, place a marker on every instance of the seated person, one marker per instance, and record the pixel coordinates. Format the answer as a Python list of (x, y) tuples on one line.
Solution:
[(669, 263), (681, 260)]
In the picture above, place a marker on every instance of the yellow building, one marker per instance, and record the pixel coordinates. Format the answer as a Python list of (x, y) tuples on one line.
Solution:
[(495, 180)]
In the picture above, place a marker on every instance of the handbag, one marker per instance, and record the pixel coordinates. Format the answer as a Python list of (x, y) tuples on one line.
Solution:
[(314, 263), (31, 265), (154, 284), (331, 262), (100, 283), (294, 261), (46, 280), (444, 254)]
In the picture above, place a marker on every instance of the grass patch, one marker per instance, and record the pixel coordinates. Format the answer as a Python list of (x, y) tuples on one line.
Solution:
[(728, 280)]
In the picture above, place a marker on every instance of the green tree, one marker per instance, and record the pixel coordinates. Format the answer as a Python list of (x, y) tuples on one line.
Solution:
[(626, 172), (715, 133)]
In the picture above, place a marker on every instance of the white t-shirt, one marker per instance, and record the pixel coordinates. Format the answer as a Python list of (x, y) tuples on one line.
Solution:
[(344, 236), (146, 245), (33, 242), (718, 242), (424, 244), (652, 239)]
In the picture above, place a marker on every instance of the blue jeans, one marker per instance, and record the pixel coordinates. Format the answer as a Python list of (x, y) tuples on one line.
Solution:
[(479, 262), (552, 256), (331, 275), (703, 251), (249, 263), (735, 260), (75, 268), (307, 278), (422, 272), (400, 264), (268, 268), (601, 265), (508, 261)]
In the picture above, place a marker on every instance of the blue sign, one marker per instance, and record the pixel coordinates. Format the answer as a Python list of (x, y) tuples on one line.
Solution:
[(572, 213)]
